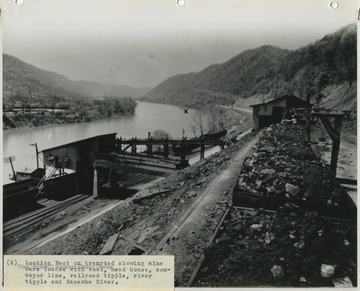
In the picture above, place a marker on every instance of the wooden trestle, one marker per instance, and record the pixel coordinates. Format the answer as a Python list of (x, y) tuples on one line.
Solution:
[(124, 144)]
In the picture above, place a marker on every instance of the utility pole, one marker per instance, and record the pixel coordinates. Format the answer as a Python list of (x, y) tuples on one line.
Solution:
[(10, 160), (37, 154), (12, 167)]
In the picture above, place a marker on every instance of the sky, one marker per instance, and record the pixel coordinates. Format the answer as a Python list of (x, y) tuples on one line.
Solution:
[(143, 42)]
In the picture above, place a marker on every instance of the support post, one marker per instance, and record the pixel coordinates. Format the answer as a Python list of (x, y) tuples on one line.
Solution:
[(95, 185), (12, 168), (166, 150), (133, 147), (336, 145), (37, 156), (182, 154), (308, 124), (119, 143), (149, 149), (334, 133), (202, 148), (222, 145)]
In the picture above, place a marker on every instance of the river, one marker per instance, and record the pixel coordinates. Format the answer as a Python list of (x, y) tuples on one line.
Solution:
[(147, 118)]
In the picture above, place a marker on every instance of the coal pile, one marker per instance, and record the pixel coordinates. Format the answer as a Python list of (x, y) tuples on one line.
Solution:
[(290, 248), (284, 241), (284, 166)]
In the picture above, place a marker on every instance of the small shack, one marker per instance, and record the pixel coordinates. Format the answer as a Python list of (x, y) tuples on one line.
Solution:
[(28, 173), (273, 110), (84, 152)]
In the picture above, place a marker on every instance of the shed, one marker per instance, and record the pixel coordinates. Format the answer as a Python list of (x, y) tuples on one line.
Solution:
[(82, 152), (273, 110), (28, 173)]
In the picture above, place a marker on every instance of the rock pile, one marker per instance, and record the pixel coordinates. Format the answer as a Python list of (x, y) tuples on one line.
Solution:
[(288, 248), (293, 246), (285, 166)]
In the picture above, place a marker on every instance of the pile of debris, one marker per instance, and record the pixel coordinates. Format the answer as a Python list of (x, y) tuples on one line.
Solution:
[(284, 166), (288, 248), (294, 245)]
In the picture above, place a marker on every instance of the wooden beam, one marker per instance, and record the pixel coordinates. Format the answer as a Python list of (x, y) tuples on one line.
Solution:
[(132, 242), (329, 128), (334, 133), (347, 181), (169, 142), (123, 150), (336, 145), (109, 245), (202, 149), (95, 184)]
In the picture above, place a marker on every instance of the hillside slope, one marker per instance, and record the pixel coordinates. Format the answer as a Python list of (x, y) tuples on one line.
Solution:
[(22, 80), (269, 71), (28, 87)]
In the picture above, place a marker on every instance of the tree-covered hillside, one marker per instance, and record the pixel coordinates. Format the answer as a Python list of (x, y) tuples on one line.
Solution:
[(74, 110), (23, 79), (27, 89), (269, 71)]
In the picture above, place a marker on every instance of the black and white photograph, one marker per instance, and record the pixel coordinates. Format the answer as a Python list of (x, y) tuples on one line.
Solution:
[(223, 133)]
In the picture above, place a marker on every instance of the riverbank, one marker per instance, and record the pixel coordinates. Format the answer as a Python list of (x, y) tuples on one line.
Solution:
[(28, 120), (79, 112)]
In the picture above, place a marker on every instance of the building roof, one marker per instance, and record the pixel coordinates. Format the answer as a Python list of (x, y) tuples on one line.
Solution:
[(282, 97), (26, 170), (79, 141)]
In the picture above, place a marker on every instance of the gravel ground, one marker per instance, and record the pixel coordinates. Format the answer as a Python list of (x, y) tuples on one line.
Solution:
[(160, 211)]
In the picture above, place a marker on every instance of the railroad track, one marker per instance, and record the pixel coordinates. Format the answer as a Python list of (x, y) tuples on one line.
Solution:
[(159, 247), (133, 179), (24, 225), (212, 187), (18, 225)]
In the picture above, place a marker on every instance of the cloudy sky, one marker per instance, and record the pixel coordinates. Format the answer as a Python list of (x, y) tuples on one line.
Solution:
[(142, 42)]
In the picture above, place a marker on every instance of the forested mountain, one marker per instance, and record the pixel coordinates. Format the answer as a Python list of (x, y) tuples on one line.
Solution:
[(28, 88), (26, 83), (267, 72)]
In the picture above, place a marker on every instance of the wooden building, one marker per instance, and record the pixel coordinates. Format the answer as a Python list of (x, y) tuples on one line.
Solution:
[(83, 152), (273, 110)]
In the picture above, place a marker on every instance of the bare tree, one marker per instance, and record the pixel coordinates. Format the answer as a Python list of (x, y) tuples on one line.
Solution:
[(199, 120)]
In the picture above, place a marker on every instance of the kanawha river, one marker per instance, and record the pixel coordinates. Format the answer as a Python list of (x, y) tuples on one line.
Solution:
[(148, 117)]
